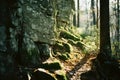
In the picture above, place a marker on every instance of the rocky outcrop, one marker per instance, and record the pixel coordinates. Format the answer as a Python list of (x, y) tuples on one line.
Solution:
[(28, 30), (65, 10)]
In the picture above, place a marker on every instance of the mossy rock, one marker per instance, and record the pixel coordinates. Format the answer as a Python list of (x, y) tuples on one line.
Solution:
[(72, 42), (68, 47), (52, 66), (41, 74), (62, 47), (61, 75), (81, 45), (57, 47), (68, 35), (64, 56)]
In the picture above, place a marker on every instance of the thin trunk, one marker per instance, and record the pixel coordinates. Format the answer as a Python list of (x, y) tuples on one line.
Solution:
[(97, 13), (93, 11), (78, 13), (117, 29), (97, 24), (87, 15)]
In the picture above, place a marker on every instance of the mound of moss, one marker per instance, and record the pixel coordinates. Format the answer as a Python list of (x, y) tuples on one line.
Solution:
[(68, 35), (52, 66), (62, 47), (64, 56)]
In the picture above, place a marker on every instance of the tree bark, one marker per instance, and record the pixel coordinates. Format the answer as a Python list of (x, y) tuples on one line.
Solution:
[(117, 30), (93, 12), (105, 45), (78, 18)]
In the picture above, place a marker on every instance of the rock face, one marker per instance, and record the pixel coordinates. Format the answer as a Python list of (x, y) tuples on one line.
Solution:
[(39, 20), (65, 10), (28, 28)]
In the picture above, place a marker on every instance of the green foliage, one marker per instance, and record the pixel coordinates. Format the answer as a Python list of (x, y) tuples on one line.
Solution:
[(91, 39), (68, 35), (87, 40)]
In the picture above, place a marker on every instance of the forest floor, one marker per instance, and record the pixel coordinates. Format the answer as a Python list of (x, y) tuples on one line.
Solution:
[(79, 61), (81, 66), (82, 62), (75, 68)]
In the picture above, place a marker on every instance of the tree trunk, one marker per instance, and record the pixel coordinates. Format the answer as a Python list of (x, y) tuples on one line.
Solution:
[(117, 30), (78, 18), (93, 12), (105, 45)]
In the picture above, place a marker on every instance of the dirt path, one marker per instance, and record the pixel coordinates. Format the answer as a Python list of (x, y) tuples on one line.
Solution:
[(83, 66)]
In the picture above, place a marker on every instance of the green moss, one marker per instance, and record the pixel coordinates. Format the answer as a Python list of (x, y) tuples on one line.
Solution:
[(68, 35), (62, 47), (64, 56), (57, 47), (72, 42), (60, 75), (67, 47), (52, 66), (81, 45)]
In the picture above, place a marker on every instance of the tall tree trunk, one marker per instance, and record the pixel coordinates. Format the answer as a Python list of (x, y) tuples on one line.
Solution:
[(105, 45)]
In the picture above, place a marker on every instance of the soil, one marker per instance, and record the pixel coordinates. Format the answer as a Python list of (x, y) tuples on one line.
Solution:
[(76, 67)]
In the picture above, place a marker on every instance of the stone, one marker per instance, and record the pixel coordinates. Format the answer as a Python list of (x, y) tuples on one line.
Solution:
[(7, 67), (38, 20), (2, 39), (68, 47), (44, 49), (30, 55), (65, 11), (61, 75), (81, 45), (62, 47), (64, 56), (41, 74)]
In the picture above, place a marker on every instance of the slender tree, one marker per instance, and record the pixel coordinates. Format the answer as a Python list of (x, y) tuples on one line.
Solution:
[(93, 12), (78, 7), (117, 29), (97, 13)]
